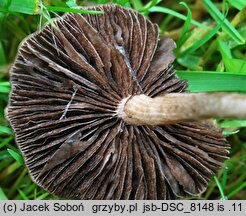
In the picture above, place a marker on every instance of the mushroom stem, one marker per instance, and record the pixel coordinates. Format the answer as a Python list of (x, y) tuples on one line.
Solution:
[(179, 107)]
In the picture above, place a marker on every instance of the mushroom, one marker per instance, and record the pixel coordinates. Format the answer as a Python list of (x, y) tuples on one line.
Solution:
[(99, 112)]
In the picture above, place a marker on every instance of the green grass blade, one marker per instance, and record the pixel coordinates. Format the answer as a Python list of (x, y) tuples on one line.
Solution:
[(9, 170), (46, 14), (225, 171), (5, 83), (227, 133), (23, 195), (241, 187), (176, 14), (73, 10), (4, 10), (4, 3), (239, 4), (4, 155), (16, 30), (16, 155), (2, 195), (233, 123), (223, 197), (214, 81), (202, 41), (71, 3), (24, 6), (5, 141), (189, 61), (227, 26), (224, 49), (125, 3), (43, 196), (101, 1), (4, 89), (236, 65), (186, 25), (231, 64), (137, 4), (19, 180), (150, 4), (2, 54), (5, 130)]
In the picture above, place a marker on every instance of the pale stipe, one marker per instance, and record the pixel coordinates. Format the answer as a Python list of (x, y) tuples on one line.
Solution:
[(179, 107)]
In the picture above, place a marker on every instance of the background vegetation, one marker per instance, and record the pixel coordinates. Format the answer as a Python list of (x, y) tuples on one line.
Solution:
[(211, 55)]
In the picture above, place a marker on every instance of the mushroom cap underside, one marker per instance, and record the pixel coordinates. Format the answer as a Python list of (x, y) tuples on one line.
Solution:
[(67, 83)]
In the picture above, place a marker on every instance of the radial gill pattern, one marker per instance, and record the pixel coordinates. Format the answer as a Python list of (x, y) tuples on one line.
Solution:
[(67, 82)]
